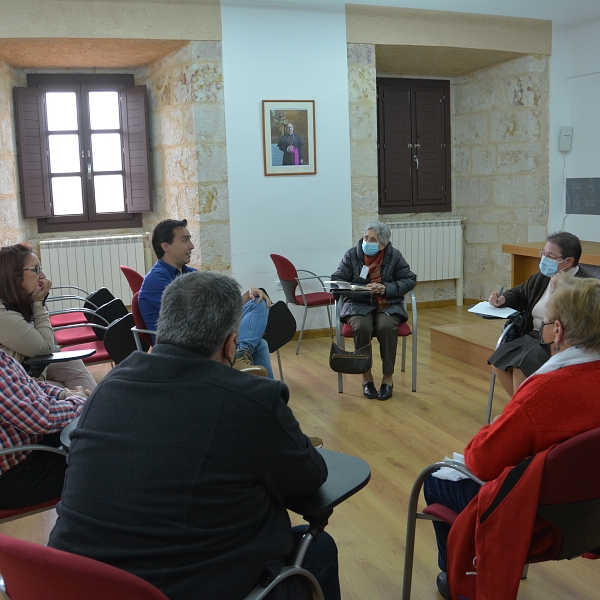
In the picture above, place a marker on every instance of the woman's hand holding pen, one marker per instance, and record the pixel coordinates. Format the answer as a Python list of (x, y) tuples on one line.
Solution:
[(497, 299)]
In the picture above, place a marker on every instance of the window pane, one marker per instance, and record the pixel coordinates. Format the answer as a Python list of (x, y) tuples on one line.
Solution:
[(106, 150), (61, 111), (104, 110), (64, 153), (109, 193), (66, 196)]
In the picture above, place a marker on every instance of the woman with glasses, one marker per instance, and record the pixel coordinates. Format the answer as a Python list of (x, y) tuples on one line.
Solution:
[(25, 329), (561, 400), (516, 360)]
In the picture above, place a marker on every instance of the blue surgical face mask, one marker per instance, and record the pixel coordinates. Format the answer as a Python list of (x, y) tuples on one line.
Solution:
[(549, 266), (370, 248)]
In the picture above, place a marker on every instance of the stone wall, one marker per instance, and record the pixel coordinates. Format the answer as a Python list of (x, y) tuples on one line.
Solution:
[(187, 129), (12, 228), (362, 93), (500, 163)]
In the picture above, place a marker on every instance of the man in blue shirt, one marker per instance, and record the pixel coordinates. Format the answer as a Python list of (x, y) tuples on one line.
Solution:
[(173, 246)]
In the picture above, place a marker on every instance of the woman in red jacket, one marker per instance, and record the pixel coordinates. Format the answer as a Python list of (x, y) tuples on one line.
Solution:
[(559, 401)]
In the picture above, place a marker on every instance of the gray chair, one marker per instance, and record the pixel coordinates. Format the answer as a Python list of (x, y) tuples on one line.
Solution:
[(493, 377)]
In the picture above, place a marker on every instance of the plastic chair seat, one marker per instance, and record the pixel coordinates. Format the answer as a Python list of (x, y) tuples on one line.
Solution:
[(79, 335), (101, 354), (315, 299), (74, 318), (9, 514)]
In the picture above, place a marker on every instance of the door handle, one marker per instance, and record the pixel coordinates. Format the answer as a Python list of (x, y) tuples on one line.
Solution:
[(416, 159), (89, 170)]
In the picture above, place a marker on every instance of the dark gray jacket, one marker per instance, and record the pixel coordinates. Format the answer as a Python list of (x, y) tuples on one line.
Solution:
[(395, 275), (180, 472)]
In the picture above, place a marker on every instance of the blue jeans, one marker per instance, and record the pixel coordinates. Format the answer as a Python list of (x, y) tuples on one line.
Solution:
[(453, 494), (252, 329)]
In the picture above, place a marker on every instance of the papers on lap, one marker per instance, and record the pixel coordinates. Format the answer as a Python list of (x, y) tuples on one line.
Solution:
[(344, 285), (487, 310)]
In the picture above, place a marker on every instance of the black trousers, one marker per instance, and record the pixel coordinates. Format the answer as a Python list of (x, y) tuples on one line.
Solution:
[(38, 478), (322, 561)]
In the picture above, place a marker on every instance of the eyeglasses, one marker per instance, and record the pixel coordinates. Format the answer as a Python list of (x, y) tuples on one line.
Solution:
[(37, 269), (542, 253), (544, 325)]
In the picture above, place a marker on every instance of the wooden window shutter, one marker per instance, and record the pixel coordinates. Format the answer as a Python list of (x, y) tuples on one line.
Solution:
[(136, 144), (430, 127), (33, 160), (395, 154)]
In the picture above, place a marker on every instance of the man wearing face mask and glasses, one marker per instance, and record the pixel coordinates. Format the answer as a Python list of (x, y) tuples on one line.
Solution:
[(514, 361)]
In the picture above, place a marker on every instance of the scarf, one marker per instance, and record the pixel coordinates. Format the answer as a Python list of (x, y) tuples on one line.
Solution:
[(571, 356), (374, 262)]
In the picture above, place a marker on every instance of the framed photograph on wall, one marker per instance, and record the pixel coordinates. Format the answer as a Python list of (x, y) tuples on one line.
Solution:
[(289, 137)]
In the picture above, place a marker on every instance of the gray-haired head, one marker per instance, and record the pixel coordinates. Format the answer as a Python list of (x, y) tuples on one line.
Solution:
[(199, 311), (382, 230)]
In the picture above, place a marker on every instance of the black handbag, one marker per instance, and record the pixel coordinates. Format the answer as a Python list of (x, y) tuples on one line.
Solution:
[(353, 363), (517, 330)]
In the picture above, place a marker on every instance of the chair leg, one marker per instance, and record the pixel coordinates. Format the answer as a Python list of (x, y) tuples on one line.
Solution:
[(403, 364), (330, 323), (279, 361), (340, 380), (414, 360), (524, 572), (490, 398), (302, 329)]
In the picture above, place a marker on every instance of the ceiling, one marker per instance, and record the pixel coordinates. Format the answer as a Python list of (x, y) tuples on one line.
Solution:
[(436, 61), (85, 53)]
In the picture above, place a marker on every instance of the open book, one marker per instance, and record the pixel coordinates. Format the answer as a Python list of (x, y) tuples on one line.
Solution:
[(344, 285)]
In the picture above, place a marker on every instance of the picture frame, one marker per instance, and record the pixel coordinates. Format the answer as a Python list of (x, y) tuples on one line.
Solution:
[(289, 151)]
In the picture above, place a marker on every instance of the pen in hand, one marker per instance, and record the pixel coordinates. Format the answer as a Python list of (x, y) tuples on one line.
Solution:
[(499, 294)]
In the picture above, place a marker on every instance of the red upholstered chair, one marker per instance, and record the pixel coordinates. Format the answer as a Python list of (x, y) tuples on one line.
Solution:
[(35, 572), (141, 332), (404, 330), (134, 279), (291, 283), (566, 524), (74, 316)]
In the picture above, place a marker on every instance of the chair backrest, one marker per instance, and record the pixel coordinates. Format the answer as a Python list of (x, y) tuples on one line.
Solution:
[(281, 326), (287, 274), (119, 340), (570, 494), (138, 320), (134, 279), (32, 571), (97, 299), (111, 311)]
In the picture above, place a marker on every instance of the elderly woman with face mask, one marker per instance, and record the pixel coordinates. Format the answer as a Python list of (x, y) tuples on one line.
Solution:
[(514, 361), (375, 263), (559, 401)]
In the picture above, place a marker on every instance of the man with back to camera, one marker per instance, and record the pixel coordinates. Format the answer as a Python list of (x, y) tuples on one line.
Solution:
[(181, 467), (173, 246)]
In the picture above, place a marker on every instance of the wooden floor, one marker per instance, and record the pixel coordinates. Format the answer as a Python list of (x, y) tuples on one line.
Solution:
[(397, 438)]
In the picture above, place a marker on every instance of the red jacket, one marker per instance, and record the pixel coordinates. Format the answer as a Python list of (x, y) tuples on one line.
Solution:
[(491, 538)]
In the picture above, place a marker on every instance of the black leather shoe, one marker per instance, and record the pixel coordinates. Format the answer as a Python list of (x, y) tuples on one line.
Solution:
[(442, 585), (369, 390), (385, 391)]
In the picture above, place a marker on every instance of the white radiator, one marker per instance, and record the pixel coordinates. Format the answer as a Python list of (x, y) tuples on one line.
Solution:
[(92, 263), (433, 249)]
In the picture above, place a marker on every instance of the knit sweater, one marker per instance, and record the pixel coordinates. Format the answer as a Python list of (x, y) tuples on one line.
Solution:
[(546, 409)]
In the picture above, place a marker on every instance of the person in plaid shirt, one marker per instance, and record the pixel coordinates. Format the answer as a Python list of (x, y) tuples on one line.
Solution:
[(32, 412)]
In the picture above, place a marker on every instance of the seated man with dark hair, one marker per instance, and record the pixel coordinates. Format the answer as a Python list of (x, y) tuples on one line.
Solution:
[(181, 467), (173, 246), (32, 412)]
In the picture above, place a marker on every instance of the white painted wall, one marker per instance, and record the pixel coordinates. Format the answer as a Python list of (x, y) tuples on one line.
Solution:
[(279, 53), (576, 94)]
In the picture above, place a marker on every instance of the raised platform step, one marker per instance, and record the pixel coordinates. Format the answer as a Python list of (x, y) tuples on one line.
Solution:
[(470, 343)]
